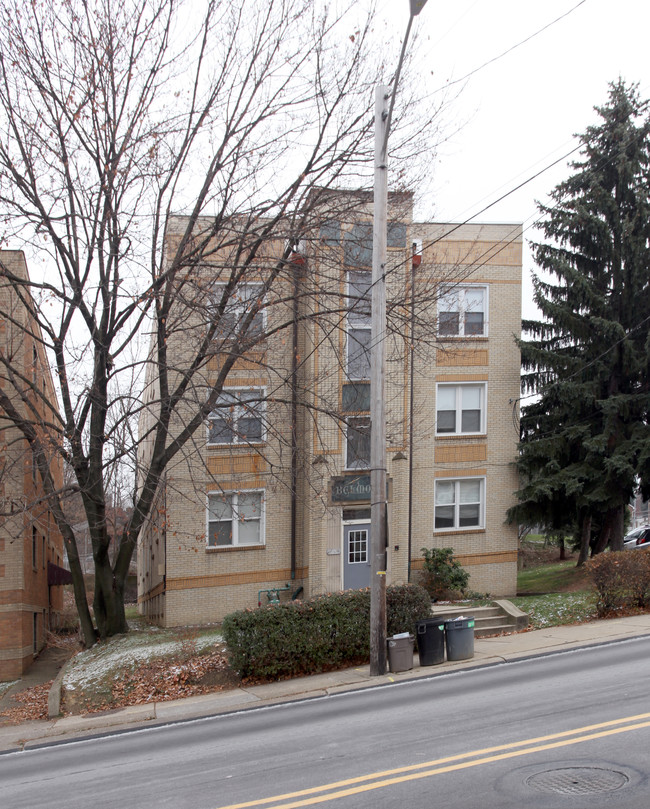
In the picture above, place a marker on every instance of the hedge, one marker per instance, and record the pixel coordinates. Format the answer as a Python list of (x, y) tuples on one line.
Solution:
[(327, 632), (622, 579)]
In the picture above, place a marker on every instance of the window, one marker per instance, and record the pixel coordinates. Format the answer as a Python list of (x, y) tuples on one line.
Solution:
[(459, 503), (238, 417), (358, 443), (238, 305), (460, 409), (462, 312), (235, 518), (358, 546), (34, 547), (359, 321)]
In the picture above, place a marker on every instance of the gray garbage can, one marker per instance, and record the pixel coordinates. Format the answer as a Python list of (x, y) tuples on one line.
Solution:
[(459, 634), (400, 652), (431, 641)]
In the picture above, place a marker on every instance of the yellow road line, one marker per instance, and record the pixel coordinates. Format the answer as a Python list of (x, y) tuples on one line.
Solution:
[(428, 768)]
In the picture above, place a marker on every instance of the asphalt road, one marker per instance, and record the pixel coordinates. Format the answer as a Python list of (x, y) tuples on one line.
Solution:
[(566, 730)]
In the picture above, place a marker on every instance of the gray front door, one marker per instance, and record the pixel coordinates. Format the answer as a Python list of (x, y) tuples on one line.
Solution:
[(356, 556)]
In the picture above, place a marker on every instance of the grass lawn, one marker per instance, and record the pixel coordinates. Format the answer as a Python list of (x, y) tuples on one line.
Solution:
[(556, 609), (555, 593), (556, 577)]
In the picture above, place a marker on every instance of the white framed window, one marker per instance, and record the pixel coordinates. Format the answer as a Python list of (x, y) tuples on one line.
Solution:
[(358, 443), (238, 417), (459, 504), (235, 519), (240, 302), (359, 323), (460, 409), (462, 312)]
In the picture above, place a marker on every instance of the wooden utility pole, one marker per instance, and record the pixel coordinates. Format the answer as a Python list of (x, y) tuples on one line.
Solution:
[(378, 476), (378, 515)]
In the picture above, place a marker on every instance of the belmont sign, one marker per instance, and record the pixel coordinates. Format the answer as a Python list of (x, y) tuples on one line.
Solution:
[(352, 488)]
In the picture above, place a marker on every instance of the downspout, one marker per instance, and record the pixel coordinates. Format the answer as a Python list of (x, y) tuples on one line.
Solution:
[(415, 263), (297, 261)]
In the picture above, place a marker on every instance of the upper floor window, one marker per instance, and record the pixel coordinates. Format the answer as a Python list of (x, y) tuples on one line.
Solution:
[(460, 409), (359, 324), (238, 417), (462, 312), (240, 303), (459, 503), (235, 518), (358, 443)]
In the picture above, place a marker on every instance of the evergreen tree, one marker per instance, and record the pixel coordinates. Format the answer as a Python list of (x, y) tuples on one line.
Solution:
[(585, 438)]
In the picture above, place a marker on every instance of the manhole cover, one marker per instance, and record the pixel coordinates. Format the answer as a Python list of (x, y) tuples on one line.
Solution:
[(577, 780)]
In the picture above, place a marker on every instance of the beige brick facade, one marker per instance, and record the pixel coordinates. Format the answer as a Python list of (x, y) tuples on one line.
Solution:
[(307, 540), (29, 539)]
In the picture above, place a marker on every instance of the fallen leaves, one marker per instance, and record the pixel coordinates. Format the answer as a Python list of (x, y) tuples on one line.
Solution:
[(164, 680), (31, 705), (157, 681)]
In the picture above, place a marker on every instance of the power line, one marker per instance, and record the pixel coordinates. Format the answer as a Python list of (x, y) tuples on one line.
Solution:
[(507, 51)]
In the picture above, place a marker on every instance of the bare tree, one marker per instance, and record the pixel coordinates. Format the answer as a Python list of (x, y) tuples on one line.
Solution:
[(114, 114)]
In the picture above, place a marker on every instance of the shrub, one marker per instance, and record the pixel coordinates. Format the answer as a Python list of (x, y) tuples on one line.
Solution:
[(324, 633), (442, 575), (405, 604), (622, 579)]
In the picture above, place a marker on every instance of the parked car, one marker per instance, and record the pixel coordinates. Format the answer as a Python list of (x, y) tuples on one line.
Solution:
[(639, 538)]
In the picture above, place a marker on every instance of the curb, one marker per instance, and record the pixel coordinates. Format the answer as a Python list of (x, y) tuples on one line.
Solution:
[(54, 695)]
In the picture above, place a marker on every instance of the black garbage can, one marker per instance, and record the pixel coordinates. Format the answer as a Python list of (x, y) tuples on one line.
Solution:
[(459, 633), (400, 652), (430, 634)]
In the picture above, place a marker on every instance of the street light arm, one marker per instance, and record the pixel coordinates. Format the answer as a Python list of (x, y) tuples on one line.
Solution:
[(416, 8)]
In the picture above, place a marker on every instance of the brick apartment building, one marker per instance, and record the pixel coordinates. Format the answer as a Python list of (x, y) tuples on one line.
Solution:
[(274, 497), (31, 547)]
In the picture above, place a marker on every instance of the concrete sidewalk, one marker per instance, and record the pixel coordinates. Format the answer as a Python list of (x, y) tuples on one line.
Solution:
[(487, 651)]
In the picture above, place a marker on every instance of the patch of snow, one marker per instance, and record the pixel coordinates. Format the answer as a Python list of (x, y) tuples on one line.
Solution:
[(6, 686), (110, 658)]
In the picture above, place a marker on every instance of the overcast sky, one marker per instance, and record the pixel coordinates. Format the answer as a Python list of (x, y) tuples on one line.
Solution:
[(522, 110)]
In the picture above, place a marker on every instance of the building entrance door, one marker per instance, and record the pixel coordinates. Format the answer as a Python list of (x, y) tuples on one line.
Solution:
[(356, 555)]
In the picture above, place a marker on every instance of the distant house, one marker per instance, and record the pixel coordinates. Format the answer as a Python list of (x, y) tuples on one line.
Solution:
[(274, 500), (31, 547)]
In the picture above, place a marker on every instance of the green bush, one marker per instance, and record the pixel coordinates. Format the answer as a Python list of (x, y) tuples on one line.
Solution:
[(442, 576), (622, 579), (324, 633)]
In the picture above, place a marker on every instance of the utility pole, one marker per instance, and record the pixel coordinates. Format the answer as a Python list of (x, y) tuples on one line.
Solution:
[(378, 472), (377, 392)]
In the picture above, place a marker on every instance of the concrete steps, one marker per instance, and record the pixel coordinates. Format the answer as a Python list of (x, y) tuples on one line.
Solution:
[(499, 618)]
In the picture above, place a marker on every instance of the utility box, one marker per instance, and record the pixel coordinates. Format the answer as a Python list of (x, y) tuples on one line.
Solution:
[(400, 652)]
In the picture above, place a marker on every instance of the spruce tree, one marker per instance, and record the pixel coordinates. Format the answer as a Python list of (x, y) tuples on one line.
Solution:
[(585, 437)]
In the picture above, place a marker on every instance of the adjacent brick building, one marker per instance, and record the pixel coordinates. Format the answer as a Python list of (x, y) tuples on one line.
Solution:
[(31, 547), (273, 499)]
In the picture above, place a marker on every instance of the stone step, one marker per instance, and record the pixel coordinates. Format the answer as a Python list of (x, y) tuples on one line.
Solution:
[(502, 616), (490, 631)]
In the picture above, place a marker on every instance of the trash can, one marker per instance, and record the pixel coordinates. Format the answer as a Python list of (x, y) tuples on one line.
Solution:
[(431, 641), (459, 633), (400, 652)]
